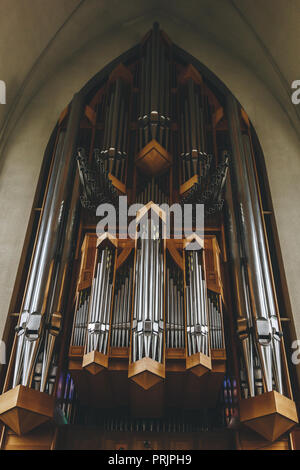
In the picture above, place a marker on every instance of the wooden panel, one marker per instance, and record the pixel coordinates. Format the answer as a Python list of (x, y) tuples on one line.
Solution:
[(188, 184), (270, 414), (93, 438), (295, 438), (153, 159), (249, 440), (88, 251), (212, 264), (117, 183), (41, 438)]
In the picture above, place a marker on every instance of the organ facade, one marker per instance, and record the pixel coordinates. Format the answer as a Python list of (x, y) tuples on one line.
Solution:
[(163, 336)]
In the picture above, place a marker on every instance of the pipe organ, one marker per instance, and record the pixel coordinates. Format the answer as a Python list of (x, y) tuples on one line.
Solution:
[(148, 333)]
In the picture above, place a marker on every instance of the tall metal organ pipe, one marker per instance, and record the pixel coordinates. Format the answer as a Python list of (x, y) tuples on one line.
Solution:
[(148, 310), (57, 303), (100, 301), (122, 307), (196, 305), (194, 159), (241, 289), (115, 137), (53, 227), (175, 321), (154, 104), (249, 216)]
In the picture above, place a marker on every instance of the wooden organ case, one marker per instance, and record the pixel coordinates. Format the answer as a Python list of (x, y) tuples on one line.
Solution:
[(149, 334)]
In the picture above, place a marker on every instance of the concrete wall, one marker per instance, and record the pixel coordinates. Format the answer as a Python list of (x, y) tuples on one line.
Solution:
[(23, 153)]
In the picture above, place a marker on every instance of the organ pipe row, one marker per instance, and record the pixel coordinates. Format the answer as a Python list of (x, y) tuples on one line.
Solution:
[(120, 336), (153, 192), (154, 106), (148, 310), (259, 311), (196, 305), (115, 137), (152, 304), (193, 156), (81, 318), (215, 320), (44, 296), (175, 317), (101, 301)]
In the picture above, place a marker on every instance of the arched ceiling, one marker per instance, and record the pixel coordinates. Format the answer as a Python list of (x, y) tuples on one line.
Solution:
[(37, 36)]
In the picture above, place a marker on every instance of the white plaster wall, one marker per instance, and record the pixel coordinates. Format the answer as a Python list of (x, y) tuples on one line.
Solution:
[(26, 144)]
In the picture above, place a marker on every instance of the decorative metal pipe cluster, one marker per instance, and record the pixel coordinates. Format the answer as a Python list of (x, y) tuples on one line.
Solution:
[(100, 302), (154, 97), (120, 334), (258, 324), (196, 305), (148, 311), (43, 307), (175, 317)]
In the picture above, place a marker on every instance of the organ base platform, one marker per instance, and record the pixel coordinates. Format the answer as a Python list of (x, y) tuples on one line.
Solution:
[(175, 383), (270, 414), (23, 408), (146, 372), (94, 362), (77, 437)]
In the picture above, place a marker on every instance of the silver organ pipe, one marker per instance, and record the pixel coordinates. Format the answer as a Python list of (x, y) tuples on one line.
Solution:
[(264, 312), (120, 333), (154, 192), (154, 105), (81, 318), (175, 317), (196, 305), (148, 310), (243, 307), (114, 145), (57, 301), (47, 256), (194, 159), (215, 320), (101, 302)]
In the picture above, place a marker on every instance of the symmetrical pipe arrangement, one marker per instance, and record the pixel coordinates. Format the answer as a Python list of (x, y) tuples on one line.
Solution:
[(148, 310), (151, 303), (100, 302), (258, 311), (120, 327), (196, 305), (154, 96)]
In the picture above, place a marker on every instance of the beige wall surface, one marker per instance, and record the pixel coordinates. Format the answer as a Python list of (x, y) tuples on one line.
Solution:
[(22, 155)]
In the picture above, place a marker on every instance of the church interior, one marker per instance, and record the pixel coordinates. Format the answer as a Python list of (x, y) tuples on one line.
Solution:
[(149, 331)]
